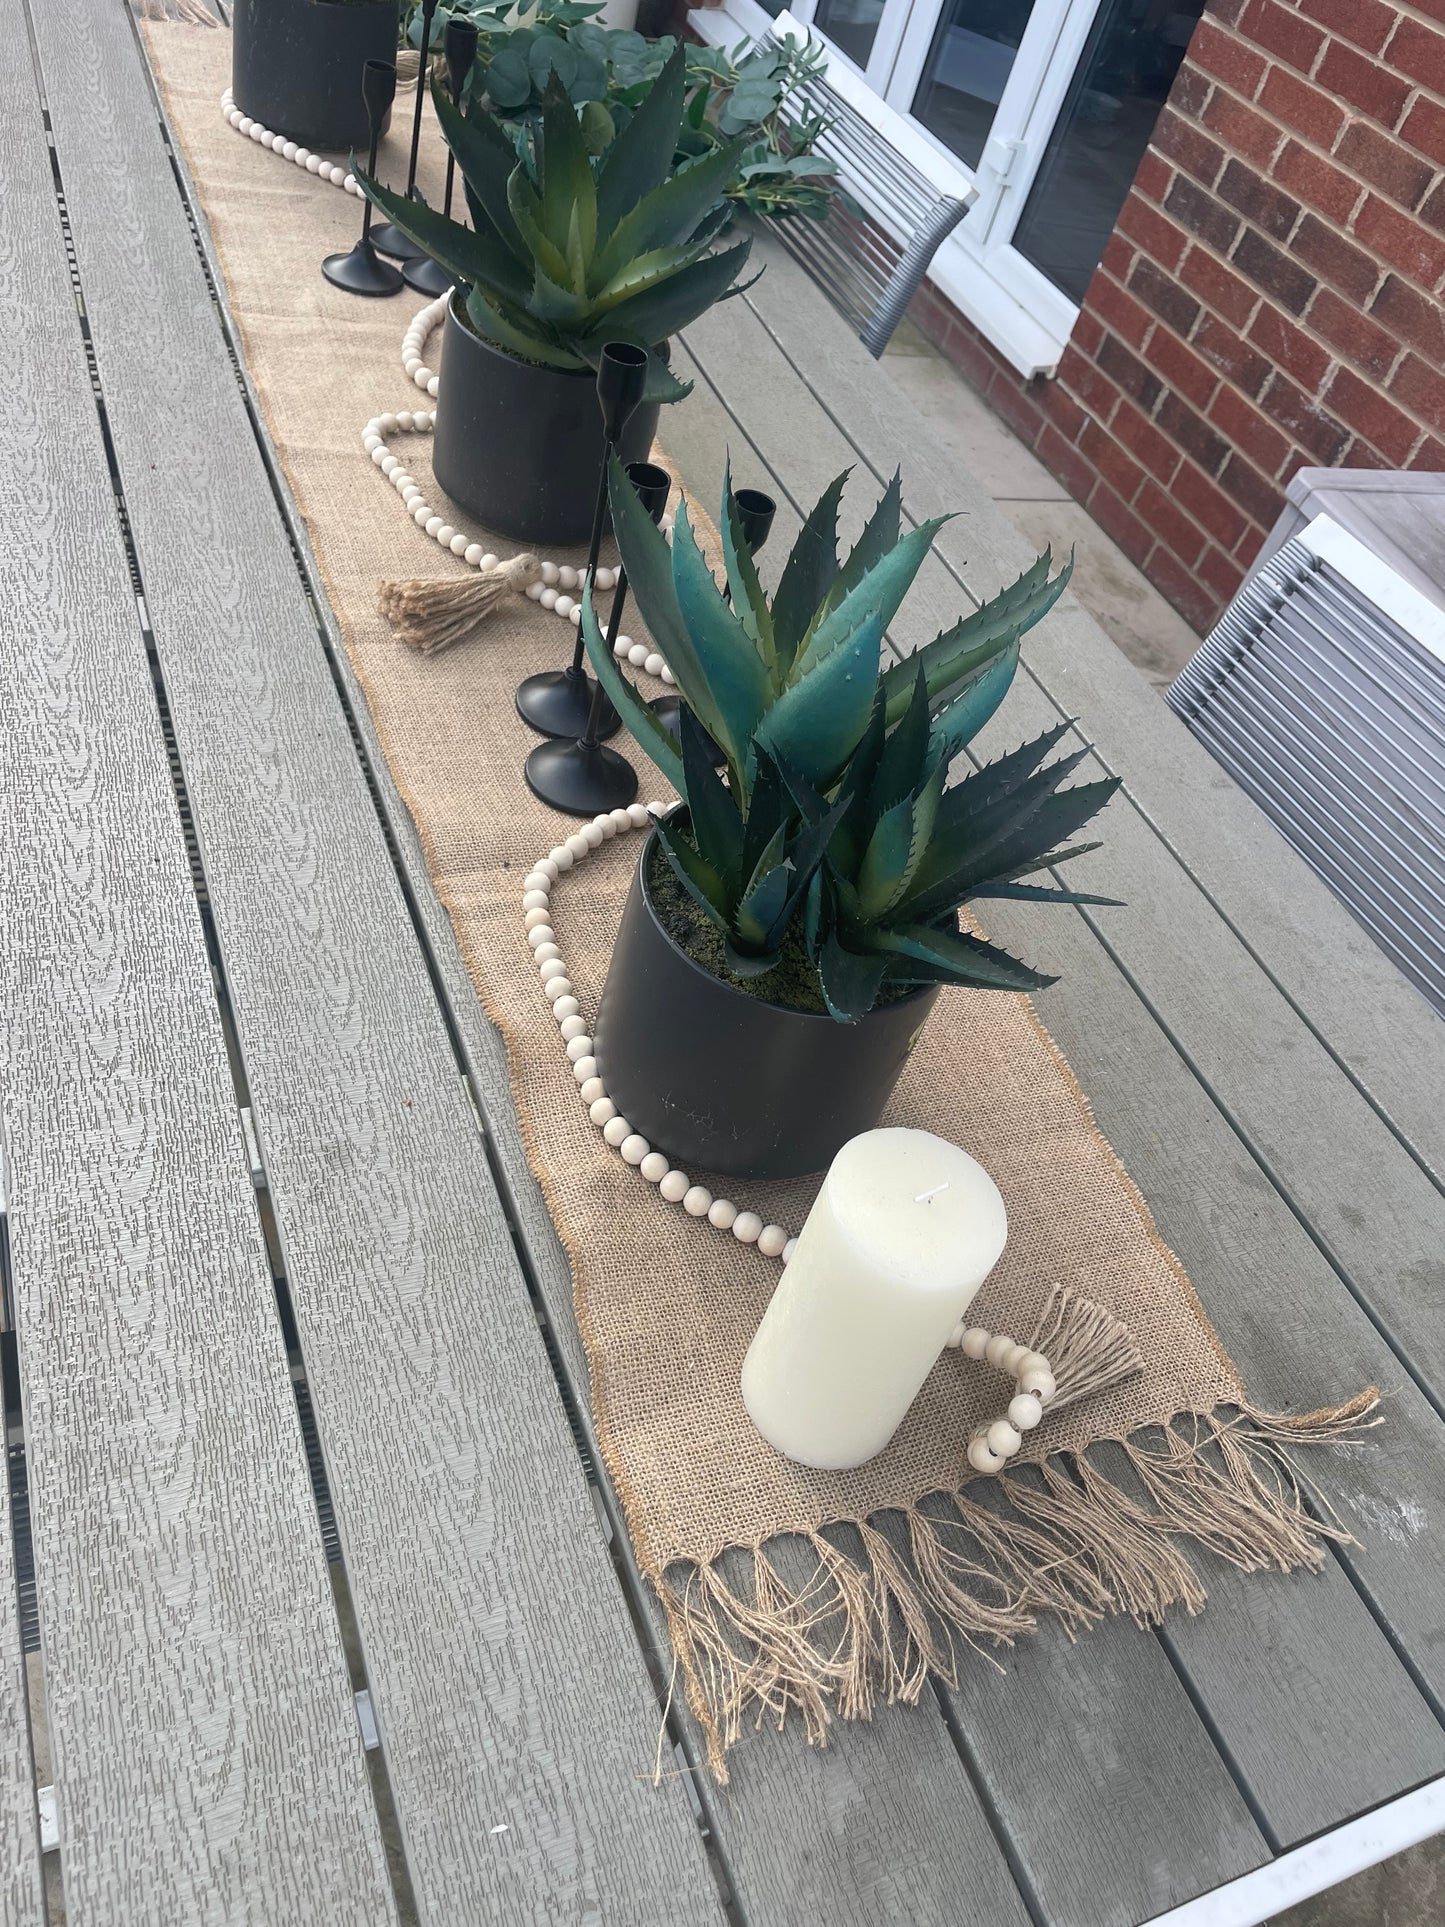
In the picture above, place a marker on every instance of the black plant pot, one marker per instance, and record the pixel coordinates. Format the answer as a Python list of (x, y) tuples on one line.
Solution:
[(519, 446), (724, 1082), (296, 66)]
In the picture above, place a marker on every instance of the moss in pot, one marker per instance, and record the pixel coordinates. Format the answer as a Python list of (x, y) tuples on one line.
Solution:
[(769, 980), (584, 231)]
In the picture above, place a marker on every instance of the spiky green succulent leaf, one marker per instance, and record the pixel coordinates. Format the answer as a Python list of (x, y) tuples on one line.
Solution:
[(648, 731), (808, 574), (880, 591), (747, 591), (735, 675), (639, 158), (696, 875), (958, 651), (926, 954), (975, 700), (817, 723), (471, 258)]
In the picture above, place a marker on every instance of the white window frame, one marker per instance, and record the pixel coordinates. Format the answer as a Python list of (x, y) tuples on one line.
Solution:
[(1011, 303)]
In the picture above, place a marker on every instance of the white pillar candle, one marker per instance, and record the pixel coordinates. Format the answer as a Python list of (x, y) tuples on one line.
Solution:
[(904, 1231)]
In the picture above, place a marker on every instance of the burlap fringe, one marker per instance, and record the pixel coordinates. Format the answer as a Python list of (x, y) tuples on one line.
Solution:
[(869, 1610), (186, 13), (435, 615)]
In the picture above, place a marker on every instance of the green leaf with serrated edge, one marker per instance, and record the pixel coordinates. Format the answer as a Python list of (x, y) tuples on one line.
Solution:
[(922, 814), (885, 860), (472, 259), (767, 803), (882, 589), (960, 720), (747, 591), (678, 301), (671, 213), (956, 957), (902, 761), (972, 824), (548, 260), (862, 774), (695, 874), (959, 650), (503, 332), (646, 730), (717, 828), (763, 901), (566, 185), (850, 982), (736, 680), (486, 159), (640, 157), (808, 574), (1004, 774), (817, 723), (1044, 823), (648, 560), (644, 273), (880, 534)]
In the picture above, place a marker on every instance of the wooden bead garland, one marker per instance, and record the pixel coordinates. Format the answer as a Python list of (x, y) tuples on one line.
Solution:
[(289, 150), (992, 1445)]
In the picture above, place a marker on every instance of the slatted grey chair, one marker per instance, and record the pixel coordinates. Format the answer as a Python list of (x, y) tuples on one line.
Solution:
[(1322, 692), (870, 267)]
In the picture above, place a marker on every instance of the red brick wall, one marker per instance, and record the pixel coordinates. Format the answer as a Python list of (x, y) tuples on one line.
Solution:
[(1270, 297)]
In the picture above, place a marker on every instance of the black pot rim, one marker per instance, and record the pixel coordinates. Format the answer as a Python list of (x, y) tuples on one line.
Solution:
[(783, 1010)]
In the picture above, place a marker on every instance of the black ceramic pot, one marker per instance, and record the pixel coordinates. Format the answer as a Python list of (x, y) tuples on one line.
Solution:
[(518, 446), (723, 1082), (296, 65)]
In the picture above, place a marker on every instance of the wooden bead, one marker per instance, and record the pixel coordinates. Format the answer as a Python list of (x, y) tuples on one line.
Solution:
[(615, 1130), (578, 845), (982, 1457), (1024, 1411), (602, 1111), (546, 952), (634, 1149), (788, 1250), (1032, 1362), (550, 971), (637, 816), (592, 1090), (654, 1167), (566, 1007), (675, 1186), (1040, 1383), (698, 1201), (1013, 1358), (562, 857), (998, 1348), (584, 1068), (559, 987), (721, 1214), (1003, 1438), (579, 1047), (538, 918), (539, 880), (572, 1028), (534, 900), (771, 1240), (747, 1227)]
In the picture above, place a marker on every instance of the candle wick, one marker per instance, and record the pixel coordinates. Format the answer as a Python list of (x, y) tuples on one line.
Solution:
[(923, 1196)]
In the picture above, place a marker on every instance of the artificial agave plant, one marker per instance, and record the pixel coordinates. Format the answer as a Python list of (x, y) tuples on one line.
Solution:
[(581, 235), (836, 807)]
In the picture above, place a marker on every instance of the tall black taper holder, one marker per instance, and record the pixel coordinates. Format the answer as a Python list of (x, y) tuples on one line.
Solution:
[(389, 238), (459, 43), (755, 517), (585, 777), (559, 701), (363, 271)]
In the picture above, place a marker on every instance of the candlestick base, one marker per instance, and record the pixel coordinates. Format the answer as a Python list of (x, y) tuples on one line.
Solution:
[(557, 703), (362, 271), (581, 779)]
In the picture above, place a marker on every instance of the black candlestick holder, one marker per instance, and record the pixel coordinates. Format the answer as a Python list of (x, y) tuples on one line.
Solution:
[(755, 518), (559, 701), (586, 777), (389, 237), (363, 271), (459, 43)]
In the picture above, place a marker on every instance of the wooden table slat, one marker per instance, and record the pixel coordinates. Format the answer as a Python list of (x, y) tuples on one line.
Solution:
[(517, 1720), (204, 1743)]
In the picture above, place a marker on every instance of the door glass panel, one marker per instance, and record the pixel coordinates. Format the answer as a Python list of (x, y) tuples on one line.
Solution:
[(1098, 141), (851, 25), (967, 69)]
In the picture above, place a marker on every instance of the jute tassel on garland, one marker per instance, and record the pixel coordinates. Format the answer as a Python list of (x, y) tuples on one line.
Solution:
[(186, 13), (432, 616)]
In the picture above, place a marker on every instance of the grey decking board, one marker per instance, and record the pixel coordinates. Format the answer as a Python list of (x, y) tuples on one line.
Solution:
[(1389, 1039), (806, 448), (203, 1739), (1080, 1857), (22, 1900), (883, 1817), (507, 1684)]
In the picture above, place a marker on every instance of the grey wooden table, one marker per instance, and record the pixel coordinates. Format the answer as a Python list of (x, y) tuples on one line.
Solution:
[(312, 1603)]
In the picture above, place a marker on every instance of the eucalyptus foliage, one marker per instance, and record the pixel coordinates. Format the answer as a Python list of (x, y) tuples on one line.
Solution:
[(836, 807), (571, 248)]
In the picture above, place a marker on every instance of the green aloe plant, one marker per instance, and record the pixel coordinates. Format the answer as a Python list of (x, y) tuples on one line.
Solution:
[(836, 813), (570, 248)]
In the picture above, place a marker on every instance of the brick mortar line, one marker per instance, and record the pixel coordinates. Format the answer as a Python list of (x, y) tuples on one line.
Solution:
[(1416, 90)]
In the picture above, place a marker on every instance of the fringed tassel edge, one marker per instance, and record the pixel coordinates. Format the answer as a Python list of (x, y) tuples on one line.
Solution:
[(185, 13), (911, 1592)]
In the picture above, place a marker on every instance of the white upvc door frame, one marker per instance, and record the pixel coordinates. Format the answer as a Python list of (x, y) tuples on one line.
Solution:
[(1011, 303)]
